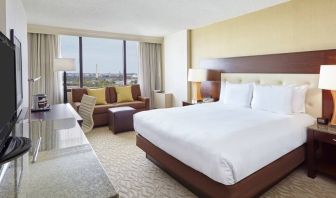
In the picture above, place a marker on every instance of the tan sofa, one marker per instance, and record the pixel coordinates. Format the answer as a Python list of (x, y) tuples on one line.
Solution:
[(100, 115)]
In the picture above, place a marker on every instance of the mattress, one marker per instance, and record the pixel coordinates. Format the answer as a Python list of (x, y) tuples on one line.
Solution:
[(225, 143)]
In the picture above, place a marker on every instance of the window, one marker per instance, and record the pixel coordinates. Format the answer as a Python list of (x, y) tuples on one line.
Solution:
[(132, 62), (100, 62), (70, 49)]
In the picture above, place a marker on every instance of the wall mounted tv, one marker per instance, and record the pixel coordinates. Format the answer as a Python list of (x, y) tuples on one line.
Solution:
[(18, 70), (8, 104)]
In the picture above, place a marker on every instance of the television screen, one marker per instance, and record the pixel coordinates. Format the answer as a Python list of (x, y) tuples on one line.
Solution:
[(8, 84)]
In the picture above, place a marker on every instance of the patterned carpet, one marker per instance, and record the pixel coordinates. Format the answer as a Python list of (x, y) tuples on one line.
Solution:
[(134, 176)]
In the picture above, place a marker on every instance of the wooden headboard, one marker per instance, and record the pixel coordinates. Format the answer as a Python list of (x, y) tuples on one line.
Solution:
[(287, 63)]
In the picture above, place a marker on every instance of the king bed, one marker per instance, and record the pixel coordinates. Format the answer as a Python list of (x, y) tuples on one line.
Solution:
[(219, 150)]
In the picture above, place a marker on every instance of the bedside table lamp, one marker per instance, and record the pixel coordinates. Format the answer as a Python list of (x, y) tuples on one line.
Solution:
[(196, 76), (327, 81), (64, 64)]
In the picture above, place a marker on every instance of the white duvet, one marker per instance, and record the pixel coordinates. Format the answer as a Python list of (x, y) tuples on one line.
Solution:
[(227, 144)]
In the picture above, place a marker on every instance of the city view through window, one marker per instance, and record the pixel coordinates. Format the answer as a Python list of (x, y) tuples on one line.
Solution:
[(102, 61)]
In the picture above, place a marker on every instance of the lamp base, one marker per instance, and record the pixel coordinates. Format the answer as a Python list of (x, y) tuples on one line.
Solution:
[(333, 119), (197, 96)]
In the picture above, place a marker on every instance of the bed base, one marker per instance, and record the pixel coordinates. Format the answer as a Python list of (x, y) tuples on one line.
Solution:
[(203, 186)]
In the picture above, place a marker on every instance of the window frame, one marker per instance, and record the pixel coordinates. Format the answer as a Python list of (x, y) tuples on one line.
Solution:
[(81, 75)]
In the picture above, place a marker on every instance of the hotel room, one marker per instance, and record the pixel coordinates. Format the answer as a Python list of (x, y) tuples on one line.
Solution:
[(227, 99)]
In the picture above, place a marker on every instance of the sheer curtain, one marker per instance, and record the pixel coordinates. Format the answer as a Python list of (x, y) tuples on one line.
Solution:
[(150, 69), (42, 49)]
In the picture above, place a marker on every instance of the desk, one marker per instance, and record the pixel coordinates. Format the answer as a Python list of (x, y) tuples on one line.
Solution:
[(58, 111), (65, 166)]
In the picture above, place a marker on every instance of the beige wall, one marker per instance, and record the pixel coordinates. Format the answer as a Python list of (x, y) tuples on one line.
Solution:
[(176, 63), (298, 25), (13, 16), (16, 19), (3, 16)]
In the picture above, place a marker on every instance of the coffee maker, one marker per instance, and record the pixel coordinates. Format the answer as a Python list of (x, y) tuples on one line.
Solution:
[(40, 103)]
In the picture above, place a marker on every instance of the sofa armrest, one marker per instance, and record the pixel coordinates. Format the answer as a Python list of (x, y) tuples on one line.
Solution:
[(76, 105), (145, 100)]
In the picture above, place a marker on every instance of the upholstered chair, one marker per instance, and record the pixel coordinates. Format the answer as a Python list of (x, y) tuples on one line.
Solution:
[(85, 111)]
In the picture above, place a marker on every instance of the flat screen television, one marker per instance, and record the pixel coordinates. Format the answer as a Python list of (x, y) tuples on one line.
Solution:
[(8, 99), (18, 70)]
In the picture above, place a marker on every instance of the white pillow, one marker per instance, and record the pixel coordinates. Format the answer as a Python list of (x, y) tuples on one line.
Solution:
[(277, 99), (222, 90), (239, 95), (299, 98)]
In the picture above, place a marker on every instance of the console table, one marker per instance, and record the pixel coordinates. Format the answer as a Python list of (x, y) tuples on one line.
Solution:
[(63, 164)]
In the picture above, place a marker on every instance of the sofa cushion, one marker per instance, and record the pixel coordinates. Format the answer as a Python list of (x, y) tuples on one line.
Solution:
[(135, 104), (101, 108)]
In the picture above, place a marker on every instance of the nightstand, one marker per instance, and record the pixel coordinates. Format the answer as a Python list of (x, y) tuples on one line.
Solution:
[(321, 150), (189, 102)]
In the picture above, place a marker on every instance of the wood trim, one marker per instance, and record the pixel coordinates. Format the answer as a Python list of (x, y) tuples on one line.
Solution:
[(293, 63), (203, 186), (290, 63), (311, 147), (211, 89)]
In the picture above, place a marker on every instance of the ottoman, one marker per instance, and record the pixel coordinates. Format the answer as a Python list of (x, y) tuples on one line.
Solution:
[(120, 119)]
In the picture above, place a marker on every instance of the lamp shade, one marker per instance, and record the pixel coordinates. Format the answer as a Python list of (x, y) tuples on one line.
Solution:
[(64, 64), (197, 75), (327, 77)]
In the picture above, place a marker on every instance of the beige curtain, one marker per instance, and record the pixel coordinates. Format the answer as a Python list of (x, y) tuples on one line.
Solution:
[(43, 48), (150, 69)]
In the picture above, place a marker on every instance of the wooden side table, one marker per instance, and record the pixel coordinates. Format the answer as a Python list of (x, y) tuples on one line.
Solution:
[(163, 100), (321, 150)]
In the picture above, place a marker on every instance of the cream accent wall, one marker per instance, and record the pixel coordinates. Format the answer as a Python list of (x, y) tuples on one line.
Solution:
[(298, 25), (176, 62)]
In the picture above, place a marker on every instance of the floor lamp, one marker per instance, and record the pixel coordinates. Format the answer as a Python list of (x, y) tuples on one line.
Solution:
[(64, 64), (31, 82)]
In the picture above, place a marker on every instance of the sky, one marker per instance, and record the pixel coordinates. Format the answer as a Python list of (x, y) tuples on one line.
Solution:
[(107, 53)]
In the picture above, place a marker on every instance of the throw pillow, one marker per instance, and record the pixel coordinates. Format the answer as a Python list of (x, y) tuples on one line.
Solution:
[(124, 94), (99, 94)]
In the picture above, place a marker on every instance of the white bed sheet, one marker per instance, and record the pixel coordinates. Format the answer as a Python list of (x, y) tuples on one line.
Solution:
[(225, 143)]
